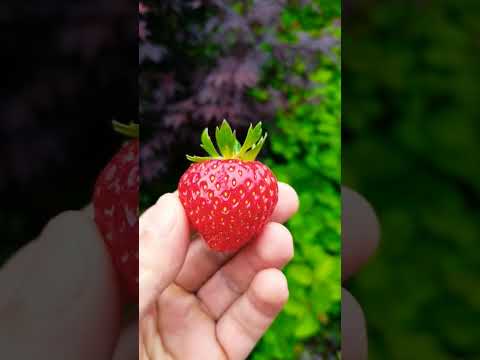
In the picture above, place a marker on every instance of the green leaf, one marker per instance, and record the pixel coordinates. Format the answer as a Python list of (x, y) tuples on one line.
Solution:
[(253, 135), (253, 152), (307, 327), (228, 145), (131, 130), (198, 159), (300, 273), (261, 95), (295, 308), (225, 139), (237, 147), (207, 144)]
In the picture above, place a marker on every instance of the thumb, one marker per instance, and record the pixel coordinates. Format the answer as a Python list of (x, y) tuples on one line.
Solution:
[(164, 238)]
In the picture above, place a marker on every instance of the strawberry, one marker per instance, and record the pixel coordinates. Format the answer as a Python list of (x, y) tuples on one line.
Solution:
[(229, 197), (115, 202)]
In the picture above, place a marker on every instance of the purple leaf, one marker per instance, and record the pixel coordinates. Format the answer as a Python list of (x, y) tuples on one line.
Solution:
[(246, 74), (149, 51), (265, 12)]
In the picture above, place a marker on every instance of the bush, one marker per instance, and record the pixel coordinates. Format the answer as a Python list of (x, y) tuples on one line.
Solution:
[(249, 61), (306, 154)]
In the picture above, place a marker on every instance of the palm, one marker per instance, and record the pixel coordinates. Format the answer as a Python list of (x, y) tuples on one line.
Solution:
[(219, 308), (178, 327)]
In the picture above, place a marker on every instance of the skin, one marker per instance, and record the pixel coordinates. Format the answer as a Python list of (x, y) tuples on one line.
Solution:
[(196, 303), (60, 296), (360, 235)]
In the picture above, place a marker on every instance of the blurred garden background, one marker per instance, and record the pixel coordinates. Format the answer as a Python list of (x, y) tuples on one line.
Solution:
[(410, 145), (275, 61)]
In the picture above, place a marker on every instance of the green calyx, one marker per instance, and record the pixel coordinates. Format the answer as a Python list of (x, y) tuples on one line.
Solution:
[(130, 130), (228, 145)]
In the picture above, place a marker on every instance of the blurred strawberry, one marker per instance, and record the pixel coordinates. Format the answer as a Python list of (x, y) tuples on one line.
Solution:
[(115, 203)]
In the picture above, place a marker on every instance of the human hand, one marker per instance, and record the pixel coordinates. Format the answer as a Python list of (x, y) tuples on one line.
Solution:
[(361, 234), (60, 298), (198, 304)]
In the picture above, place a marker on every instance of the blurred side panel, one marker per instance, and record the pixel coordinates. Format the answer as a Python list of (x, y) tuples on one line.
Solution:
[(68, 68), (410, 145)]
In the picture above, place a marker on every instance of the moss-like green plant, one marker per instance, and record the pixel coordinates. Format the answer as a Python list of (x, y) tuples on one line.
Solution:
[(305, 152)]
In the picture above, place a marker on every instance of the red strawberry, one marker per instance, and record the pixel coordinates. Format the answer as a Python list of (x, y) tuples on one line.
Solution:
[(230, 197), (115, 203)]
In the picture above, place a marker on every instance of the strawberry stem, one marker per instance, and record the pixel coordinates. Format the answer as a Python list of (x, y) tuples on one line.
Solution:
[(228, 145)]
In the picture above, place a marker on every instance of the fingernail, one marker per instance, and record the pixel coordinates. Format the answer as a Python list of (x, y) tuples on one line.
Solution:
[(168, 214)]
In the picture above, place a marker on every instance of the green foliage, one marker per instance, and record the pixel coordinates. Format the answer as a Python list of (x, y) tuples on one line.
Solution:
[(305, 144), (416, 114)]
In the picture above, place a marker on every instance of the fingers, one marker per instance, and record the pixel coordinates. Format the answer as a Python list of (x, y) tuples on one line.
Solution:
[(273, 249), (360, 232), (88, 211), (128, 345), (164, 239), (251, 315), (201, 262), (287, 205), (354, 333), (62, 286), (150, 343)]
